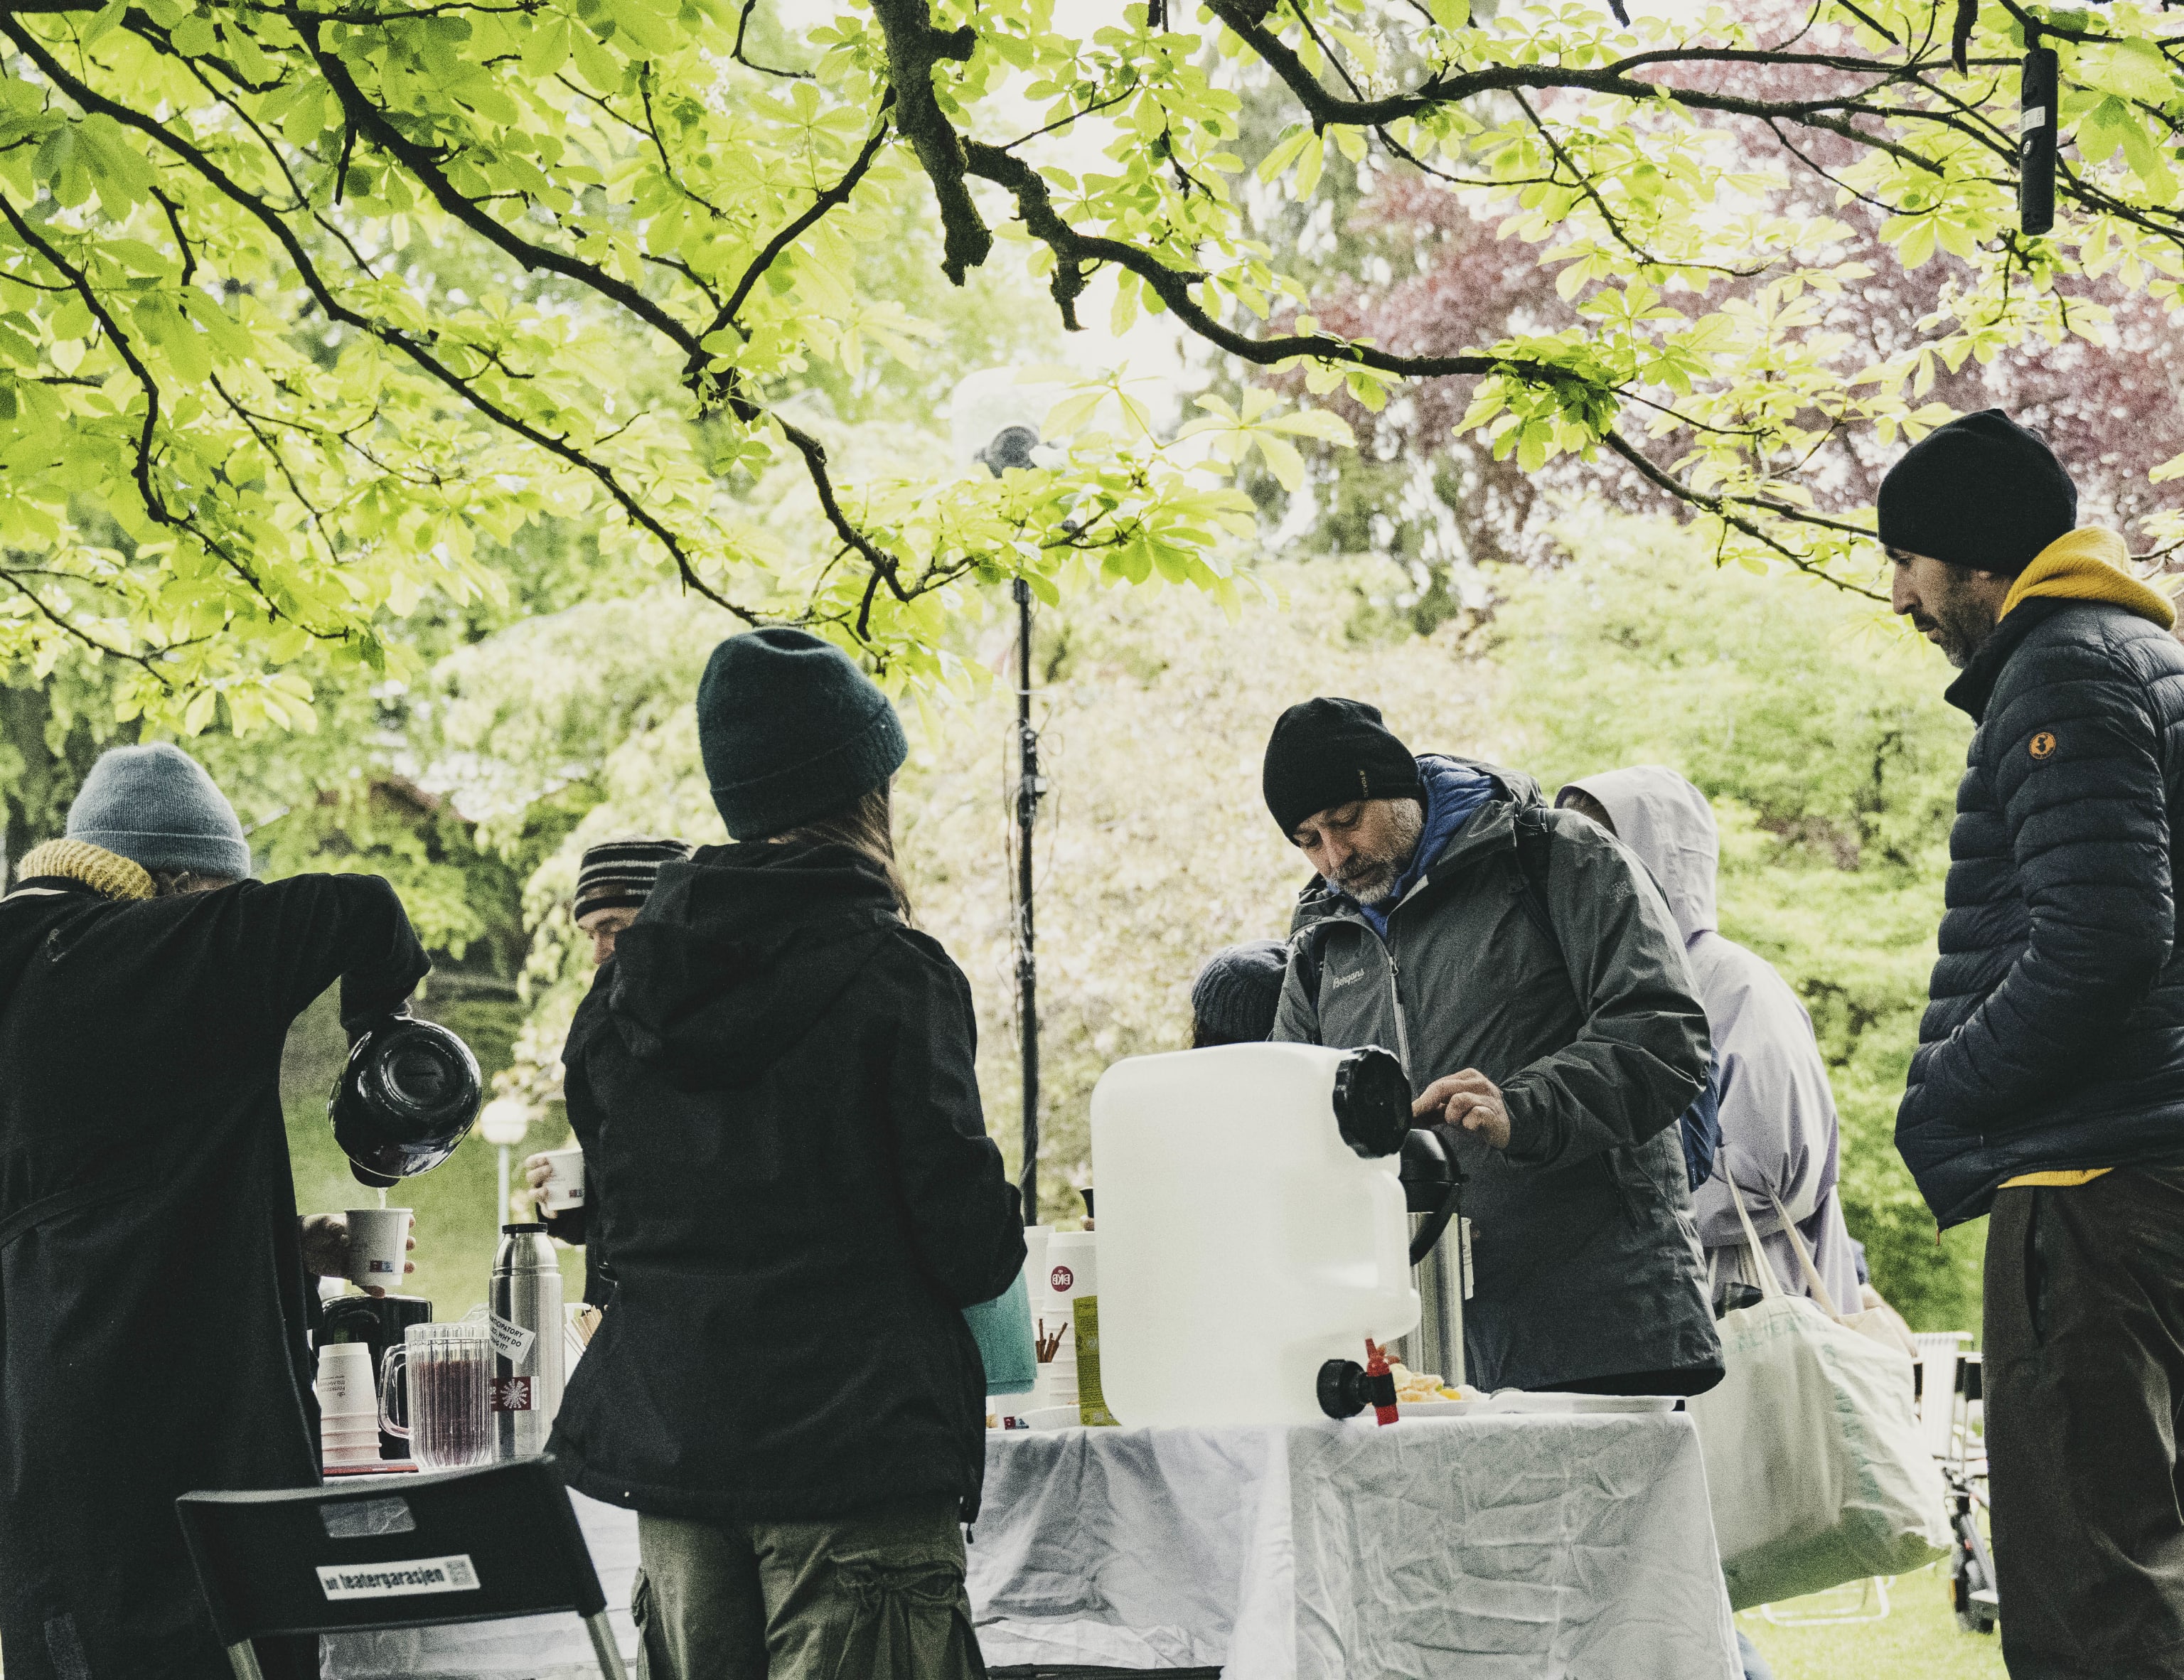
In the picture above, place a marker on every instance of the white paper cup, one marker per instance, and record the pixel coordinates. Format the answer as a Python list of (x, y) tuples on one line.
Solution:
[(565, 1180), (346, 1387), (378, 1247), (1071, 1265)]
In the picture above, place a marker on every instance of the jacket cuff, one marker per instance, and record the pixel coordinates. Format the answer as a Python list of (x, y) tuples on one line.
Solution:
[(1531, 1140)]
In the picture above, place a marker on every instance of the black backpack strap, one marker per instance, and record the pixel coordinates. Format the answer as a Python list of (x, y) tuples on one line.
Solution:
[(1305, 946), (1535, 839)]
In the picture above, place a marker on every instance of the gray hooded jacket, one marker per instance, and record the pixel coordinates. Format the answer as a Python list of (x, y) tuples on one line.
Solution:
[(1779, 1133), (1586, 1260)]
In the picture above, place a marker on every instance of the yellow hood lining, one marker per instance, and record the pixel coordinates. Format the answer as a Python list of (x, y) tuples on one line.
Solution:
[(2090, 564)]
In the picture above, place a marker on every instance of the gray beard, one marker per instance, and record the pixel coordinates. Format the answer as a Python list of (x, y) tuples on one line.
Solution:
[(1370, 880)]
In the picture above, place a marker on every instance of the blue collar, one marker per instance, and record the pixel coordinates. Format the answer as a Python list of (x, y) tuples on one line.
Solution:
[(1453, 792)]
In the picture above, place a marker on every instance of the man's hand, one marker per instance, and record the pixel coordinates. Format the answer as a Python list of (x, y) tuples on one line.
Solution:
[(324, 1238), (1468, 1099), (536, 1170)]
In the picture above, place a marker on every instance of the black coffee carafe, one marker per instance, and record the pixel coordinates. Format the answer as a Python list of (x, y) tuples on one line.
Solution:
[(406, 1099)]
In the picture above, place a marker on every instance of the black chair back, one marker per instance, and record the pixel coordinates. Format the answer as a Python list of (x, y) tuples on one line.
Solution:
[(417, 1551)]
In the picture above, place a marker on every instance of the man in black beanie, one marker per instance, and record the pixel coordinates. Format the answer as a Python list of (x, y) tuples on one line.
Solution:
[(1532, 981), (1968, 508), (2047, 1089)]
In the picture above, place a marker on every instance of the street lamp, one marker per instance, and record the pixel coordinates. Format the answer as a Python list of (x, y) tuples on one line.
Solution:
[(504, 1122), (1001, 416)]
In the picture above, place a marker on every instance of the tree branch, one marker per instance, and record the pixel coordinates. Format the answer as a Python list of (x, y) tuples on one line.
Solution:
[(1326, 108), (736, 52), (411, 348), (828, 202), (1719, 507), (914, 47)]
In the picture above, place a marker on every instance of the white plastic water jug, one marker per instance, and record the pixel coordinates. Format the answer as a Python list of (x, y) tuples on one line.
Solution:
[(1251, 1227)]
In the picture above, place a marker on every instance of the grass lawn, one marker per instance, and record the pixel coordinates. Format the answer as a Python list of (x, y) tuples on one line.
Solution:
[(1917, 1638)]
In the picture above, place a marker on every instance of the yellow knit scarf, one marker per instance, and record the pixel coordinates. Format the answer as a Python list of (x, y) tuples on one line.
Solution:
[(102, 871)]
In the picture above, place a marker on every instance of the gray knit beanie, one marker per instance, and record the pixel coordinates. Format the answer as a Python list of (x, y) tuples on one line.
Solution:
[(155, 806), (1238, 992), (790, 731)]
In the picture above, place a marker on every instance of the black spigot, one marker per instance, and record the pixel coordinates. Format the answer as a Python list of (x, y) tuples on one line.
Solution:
[(1346, 1388)]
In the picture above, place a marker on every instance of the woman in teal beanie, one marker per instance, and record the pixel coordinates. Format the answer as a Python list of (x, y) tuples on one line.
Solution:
[(780, 1098)]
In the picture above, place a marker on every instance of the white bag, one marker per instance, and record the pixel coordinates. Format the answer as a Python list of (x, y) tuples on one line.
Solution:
[(1815, 1465)]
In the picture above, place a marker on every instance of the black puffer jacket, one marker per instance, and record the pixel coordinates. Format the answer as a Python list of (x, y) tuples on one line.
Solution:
[(800, 1197), (2055, 1036)]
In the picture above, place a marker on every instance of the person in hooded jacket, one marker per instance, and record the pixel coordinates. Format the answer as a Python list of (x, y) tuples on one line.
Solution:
[(781, 1099), (613, 880), (1779, 1131), (155, 1294), (1553, 1045), (2047, 1089)]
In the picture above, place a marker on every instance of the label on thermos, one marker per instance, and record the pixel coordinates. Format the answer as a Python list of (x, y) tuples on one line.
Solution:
[(511, 1340), (511, 1393)]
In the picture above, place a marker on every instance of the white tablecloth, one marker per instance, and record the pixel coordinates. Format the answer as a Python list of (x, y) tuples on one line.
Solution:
[(1488, 1548), (1514, 1548)]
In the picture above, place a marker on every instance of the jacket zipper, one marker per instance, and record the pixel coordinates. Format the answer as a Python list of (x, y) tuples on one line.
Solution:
[(1395, 997)]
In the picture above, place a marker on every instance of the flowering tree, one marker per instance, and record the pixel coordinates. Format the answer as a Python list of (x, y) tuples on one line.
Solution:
[(236, 428), (1422, 272)]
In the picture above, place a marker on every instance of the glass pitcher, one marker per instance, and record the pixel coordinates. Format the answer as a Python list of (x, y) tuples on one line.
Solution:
[(449, 1367)]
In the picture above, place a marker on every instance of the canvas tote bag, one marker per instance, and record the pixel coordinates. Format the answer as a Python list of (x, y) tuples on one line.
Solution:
[(1815, 1464)]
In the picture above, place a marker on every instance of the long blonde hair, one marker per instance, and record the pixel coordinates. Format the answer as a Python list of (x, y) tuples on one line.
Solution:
[(867, 826)]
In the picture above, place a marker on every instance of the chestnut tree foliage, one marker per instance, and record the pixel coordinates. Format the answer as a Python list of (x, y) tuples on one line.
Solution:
[(240, 435)]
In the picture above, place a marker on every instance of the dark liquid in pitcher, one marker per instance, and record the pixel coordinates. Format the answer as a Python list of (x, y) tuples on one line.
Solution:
[(449, 1427)]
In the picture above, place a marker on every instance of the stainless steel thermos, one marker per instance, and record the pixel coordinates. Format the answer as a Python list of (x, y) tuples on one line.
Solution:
[(1440, 1250), (525, 1308)]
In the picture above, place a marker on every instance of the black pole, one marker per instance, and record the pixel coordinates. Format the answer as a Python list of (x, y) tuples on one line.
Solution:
[(1029, 789)]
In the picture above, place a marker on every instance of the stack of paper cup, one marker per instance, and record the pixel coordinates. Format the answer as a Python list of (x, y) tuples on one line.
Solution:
[(349, 1407), (1070, 1270)]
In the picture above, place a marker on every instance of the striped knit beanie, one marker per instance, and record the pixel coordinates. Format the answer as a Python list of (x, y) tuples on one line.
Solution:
[(619, 874)]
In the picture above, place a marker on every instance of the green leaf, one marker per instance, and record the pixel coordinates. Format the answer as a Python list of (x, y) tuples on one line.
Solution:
[(1282, 460), (194, 36), (1284, 153), (1310, 160), (2135, 69), (1071, 413)]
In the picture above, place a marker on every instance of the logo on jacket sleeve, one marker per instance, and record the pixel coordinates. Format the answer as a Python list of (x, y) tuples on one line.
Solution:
[(2044, 744)]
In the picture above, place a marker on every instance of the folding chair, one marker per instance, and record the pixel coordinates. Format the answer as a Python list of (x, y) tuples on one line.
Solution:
[(433, 1550)]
